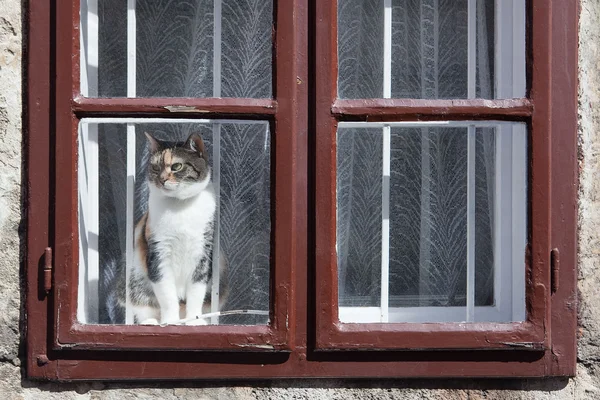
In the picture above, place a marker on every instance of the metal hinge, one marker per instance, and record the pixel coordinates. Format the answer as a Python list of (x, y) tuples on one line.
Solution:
[(554, 268), (48, 270)]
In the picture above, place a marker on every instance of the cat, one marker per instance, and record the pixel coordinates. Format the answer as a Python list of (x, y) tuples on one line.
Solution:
[(171, 275)]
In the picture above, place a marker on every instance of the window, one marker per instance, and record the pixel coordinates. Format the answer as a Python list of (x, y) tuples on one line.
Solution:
[(437, 251), (206, 68), (394, 186)]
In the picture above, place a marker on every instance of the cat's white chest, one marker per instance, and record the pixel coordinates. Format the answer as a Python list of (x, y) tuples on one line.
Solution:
[(178, 229)]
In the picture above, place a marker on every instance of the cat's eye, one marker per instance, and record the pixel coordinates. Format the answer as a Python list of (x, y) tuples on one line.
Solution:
[(176, 167), (155, 167)]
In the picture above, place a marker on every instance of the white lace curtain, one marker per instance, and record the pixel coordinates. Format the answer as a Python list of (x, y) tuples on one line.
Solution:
[(175, 51), (176, 44), (428, 180)]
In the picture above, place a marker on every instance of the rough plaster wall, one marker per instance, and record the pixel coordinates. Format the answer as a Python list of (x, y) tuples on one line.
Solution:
[(10, 179), (585, 386)]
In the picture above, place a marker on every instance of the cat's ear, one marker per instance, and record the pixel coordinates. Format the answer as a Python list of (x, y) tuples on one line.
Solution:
[(154, 144), (195, 143)]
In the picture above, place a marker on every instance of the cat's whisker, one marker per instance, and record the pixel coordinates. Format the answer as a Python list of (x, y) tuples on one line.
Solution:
[(219, 314)]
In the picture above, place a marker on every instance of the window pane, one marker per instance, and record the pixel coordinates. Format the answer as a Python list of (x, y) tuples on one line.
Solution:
[(164, 48), (431, 221), (430, 49), (192, 219)]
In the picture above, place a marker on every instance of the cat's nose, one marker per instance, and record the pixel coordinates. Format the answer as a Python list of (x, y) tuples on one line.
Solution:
[(162, 178)]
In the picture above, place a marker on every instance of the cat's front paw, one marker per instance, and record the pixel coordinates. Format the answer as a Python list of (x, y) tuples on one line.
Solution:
[(197, 322), (149, 321)]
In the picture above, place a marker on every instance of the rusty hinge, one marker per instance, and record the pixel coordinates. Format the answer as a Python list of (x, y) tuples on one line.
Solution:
[(554, 268), (48, 270)]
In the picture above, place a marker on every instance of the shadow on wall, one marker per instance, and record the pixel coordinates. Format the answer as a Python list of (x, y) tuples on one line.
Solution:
[(299, 385)]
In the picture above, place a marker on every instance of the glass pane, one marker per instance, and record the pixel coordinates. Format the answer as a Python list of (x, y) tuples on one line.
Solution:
[(430, 49), (428, 217), (445, 224), (359, 206), (163, 48), (179, 214)]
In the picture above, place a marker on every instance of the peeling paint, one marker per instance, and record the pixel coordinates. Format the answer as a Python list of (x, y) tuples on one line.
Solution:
[(255, 346), (524, 345), (184, 109)]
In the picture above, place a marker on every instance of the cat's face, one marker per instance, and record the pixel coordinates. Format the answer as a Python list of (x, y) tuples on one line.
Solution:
[(178, 171)]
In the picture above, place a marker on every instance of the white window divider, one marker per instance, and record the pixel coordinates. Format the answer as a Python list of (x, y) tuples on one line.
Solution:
[(89, 262), (216, 162), (131, 150), (519, 220), (471, 165), (386, 148)]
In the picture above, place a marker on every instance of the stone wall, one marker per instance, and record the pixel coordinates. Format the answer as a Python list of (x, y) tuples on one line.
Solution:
[(585, 386)]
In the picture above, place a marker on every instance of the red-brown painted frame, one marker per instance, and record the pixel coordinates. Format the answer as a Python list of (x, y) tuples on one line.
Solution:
[(70, 106), (376, 110), (70, 333), (531, 334), (55, 32), (233, 107), (537, 110), (49, 109)]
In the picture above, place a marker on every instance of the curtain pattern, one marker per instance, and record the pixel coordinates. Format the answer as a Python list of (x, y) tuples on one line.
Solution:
[(175, 50), (359, 185), (428, 182), (175, 47)]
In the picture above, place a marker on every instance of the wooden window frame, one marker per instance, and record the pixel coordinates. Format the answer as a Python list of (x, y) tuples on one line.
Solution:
[(304, 338), (71, 106), (334, 335)]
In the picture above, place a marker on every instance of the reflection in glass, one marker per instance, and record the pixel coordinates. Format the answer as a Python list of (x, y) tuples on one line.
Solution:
[(431, 221), (430, 49), (164, 48), (114, 182)]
